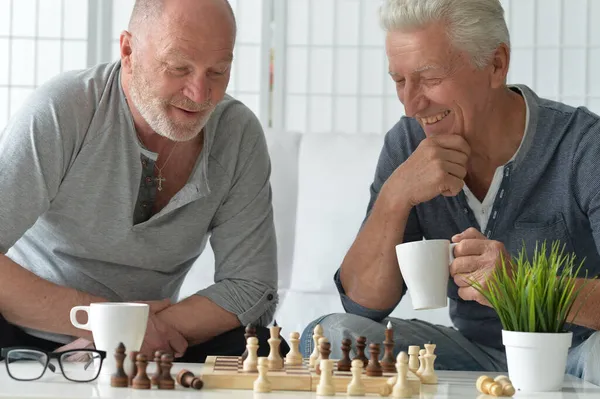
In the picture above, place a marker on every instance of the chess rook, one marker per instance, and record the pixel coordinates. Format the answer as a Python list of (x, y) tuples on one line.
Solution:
[(374, 368), (275, 359), (413, 358), (119, 378)]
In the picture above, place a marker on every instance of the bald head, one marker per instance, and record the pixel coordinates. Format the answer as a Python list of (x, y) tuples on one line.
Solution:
[(148, 12)]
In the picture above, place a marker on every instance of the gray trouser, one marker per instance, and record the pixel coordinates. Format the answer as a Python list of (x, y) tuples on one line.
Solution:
[(453, 350)]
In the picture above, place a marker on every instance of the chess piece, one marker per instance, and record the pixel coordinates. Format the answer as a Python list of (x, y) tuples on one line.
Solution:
[(166, 381), (275, 359), (428, 376), (133, 367), (325, 386), (488, 386), (388, 363), (374, 368), (345, 363), (356, 386), (119, 377), (385, 390), (141, 380), (507, 387), (361, 344), (156, 375), (294, 357), (402, 388), (262, 383), (187, 379), (317, 333), (324, 352), (252, 360), (413, 358), (249, 332), (422, 353)]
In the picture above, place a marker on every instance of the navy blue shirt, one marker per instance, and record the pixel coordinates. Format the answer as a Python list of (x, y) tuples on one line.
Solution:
[(550, 191)]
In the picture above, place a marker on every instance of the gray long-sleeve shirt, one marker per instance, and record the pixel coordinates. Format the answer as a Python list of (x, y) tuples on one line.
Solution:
[(550, 191), (71, 178)]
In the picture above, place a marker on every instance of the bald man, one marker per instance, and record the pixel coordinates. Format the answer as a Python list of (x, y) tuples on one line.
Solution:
[(113, 179)]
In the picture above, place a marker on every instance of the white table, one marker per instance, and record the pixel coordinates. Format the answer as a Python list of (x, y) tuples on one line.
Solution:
[(452, 385)]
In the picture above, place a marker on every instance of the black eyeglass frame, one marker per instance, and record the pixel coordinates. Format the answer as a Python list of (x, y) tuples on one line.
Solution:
[(4, 352)]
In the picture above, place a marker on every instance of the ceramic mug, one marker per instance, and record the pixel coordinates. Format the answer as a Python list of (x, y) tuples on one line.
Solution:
[(112, 323), (425, 268)]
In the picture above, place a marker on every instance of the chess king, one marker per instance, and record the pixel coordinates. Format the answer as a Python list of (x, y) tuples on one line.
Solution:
[(487, 165), (113, 179)]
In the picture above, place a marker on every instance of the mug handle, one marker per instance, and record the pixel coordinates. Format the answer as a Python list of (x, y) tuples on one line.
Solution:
[(73, 316), (451, 251)]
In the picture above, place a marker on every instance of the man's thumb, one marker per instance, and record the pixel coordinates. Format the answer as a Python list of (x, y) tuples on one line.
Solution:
[(158, 306)]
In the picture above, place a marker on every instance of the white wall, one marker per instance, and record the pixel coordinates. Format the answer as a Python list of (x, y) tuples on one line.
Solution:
[(335, 69)]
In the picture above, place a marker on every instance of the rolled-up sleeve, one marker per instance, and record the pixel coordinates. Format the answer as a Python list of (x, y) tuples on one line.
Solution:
[(243, 237)]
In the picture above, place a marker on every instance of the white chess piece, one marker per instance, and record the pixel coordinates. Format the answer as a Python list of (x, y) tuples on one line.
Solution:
[(413, 358), (422, 353), (428, 376), (317, 333), (401, 388), (275, 359), (294, 357), (262, 383), (325, 386), (252, 360), (356, 386)]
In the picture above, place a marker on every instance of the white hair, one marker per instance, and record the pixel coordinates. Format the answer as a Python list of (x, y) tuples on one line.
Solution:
[(475, 26)]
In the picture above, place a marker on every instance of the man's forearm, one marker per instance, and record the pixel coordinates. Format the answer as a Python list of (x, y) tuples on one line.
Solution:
[(29, 301), (370, 273), (587, 314), (198, 319)]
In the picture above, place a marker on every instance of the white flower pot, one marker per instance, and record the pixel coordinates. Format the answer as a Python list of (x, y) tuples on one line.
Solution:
[(536, 361)]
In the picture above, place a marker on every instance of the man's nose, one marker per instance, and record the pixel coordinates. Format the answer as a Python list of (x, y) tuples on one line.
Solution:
[(413, 99), (198, 89)]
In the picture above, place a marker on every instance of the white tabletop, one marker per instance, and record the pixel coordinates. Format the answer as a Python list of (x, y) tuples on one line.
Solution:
[(452, 385)]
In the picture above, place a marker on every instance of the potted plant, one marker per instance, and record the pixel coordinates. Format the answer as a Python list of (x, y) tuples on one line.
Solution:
[(533, 301)]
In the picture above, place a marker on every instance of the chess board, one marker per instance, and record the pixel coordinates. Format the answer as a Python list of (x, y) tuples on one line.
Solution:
[(223, 372)]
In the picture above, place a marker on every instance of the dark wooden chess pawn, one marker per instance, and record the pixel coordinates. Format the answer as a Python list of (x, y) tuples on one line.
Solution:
[(388, 363), (133, 367), (141, 380), (119, 377), (361, 344), (325, 351), (374, 368), (187, 379), (345, 364), (156, 375), (250, 332), (166, 381)]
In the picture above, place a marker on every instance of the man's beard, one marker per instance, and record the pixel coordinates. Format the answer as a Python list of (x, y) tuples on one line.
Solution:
[(154, 110)]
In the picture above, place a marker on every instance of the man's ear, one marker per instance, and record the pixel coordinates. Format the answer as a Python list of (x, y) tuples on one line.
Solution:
[(499, 66), (126, 50)]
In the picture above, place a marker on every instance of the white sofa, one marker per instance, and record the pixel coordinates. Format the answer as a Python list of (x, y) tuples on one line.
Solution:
[(320, 193)]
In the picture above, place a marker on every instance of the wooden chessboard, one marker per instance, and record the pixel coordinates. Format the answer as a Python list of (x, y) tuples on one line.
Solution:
[(224, 372)]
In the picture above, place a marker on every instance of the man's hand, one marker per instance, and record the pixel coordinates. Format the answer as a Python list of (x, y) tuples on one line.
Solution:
[(160, 335), (438, 166), (476, 258)]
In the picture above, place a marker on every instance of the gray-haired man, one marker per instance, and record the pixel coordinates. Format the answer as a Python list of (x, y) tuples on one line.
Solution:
[(486, 165)]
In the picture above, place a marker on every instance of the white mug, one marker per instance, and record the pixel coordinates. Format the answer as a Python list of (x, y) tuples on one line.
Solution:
[(425, 268), (112, 323)]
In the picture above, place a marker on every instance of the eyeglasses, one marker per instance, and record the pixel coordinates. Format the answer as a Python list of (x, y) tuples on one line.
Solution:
[(28, 364)]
